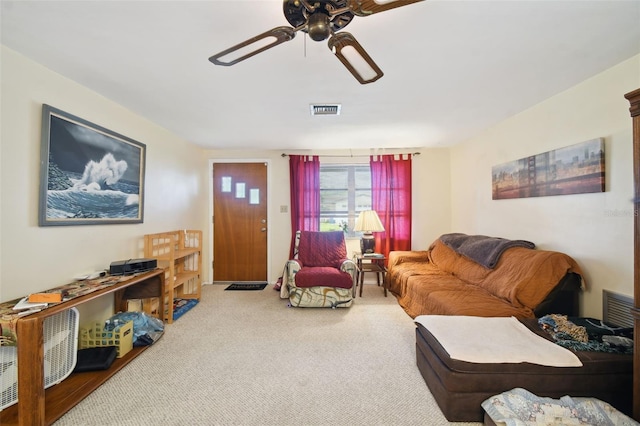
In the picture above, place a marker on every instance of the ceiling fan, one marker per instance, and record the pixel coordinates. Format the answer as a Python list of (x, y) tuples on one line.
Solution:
[(320, 19)]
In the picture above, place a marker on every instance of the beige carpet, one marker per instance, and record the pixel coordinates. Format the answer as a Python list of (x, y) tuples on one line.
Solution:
[(245, 358)]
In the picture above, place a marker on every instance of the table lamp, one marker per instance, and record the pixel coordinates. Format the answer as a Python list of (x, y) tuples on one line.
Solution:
[(368, 222)]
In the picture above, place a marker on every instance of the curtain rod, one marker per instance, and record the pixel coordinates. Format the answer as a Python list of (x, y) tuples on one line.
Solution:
[(284, 154)]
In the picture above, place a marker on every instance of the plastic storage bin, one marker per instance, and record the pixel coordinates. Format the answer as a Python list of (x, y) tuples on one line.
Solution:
[(121, 337)]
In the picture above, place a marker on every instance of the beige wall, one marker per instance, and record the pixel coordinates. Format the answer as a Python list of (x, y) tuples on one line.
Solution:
[(36, 258), (451, 187), (596, 229), (431, 201), (178, 187)]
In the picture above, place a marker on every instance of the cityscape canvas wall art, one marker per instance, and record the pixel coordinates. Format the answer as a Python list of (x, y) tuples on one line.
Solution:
[(574, 169), (88, 175)]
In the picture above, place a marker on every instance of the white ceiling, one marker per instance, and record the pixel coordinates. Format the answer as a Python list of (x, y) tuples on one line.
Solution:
[(452, 68)]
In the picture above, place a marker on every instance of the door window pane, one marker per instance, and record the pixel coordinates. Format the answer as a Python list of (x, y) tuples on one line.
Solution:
[(254, 196), (226, 183), (240, 190)]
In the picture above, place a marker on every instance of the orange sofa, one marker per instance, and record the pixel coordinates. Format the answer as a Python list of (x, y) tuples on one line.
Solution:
[(524, 282)]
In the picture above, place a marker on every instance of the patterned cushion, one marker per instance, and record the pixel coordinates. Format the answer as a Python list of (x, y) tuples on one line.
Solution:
[(322, 248), (521, 407), (327, 276)]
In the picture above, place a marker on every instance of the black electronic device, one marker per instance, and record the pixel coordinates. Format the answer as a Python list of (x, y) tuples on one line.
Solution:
[(94, 359), (132, 266)]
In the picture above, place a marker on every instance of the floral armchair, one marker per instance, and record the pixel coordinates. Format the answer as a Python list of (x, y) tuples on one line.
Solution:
[(320, 275)]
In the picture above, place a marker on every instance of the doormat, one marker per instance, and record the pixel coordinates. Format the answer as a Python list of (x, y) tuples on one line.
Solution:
[(247, 286)]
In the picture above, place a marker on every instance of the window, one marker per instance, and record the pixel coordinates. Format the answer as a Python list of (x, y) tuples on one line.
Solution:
[(345, 190)]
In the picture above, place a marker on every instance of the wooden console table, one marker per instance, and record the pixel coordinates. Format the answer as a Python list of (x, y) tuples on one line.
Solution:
[(37, 406)]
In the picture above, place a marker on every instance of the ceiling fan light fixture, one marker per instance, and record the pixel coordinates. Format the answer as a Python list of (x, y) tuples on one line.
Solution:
[(354, 58), (321, 19), (362, 67), (319, 26)]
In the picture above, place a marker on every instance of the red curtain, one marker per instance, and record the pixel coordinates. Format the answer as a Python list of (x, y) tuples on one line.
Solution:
[(304, 175), (391, 199)]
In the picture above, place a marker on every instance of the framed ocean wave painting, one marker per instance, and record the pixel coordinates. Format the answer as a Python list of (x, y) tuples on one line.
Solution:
[(88, 175)]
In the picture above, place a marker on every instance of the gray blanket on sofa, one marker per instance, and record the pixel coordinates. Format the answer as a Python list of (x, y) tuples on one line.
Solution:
[(482, 249)]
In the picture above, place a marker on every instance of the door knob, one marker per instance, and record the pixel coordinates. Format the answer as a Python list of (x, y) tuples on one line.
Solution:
[(263, 229)]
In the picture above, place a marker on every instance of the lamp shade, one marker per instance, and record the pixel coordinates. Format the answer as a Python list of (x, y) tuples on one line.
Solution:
[(368, 221)]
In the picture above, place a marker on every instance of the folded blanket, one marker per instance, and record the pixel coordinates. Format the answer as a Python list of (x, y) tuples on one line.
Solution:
[(495, 340), (482, 249)]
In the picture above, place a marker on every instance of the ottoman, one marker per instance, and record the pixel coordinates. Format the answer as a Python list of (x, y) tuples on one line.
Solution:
[(460, 387)]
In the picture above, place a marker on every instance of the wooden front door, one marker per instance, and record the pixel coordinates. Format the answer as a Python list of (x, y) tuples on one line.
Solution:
[(240, 222)]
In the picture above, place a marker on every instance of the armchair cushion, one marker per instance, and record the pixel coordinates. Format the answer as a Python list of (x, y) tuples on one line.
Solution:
[(322, 248), (314, 276)]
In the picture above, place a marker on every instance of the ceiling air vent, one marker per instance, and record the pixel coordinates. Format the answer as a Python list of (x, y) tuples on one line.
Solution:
[(325, 109)]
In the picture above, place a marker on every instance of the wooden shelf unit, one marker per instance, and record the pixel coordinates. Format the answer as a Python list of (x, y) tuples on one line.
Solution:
[(180, 254), (37, 406)]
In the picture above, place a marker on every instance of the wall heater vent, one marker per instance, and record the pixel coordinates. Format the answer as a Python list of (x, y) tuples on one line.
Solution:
[(325, 109), (616, 309)]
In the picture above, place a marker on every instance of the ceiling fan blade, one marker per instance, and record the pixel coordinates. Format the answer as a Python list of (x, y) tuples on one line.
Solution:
[(368, 7), (353, 56), (253, 46)]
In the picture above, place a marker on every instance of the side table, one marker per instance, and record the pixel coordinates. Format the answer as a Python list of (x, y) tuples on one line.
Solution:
[(375, 264)]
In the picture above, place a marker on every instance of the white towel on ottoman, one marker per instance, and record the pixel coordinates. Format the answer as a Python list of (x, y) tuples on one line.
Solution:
[(495, 340)]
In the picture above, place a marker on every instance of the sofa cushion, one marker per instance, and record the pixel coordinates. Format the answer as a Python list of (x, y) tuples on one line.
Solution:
[(398, 275), (447, 260), (407, 256), (326, 276), (322, 248), (525, 277), (522, 276), (444, 294)]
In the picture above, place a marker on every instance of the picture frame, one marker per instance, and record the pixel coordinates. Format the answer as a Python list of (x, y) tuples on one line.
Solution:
[(89, 175), (573, 169)]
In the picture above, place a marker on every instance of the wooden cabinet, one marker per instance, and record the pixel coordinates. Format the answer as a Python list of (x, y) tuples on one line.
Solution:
[(37, 406), (634, 101), (180, 254)]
